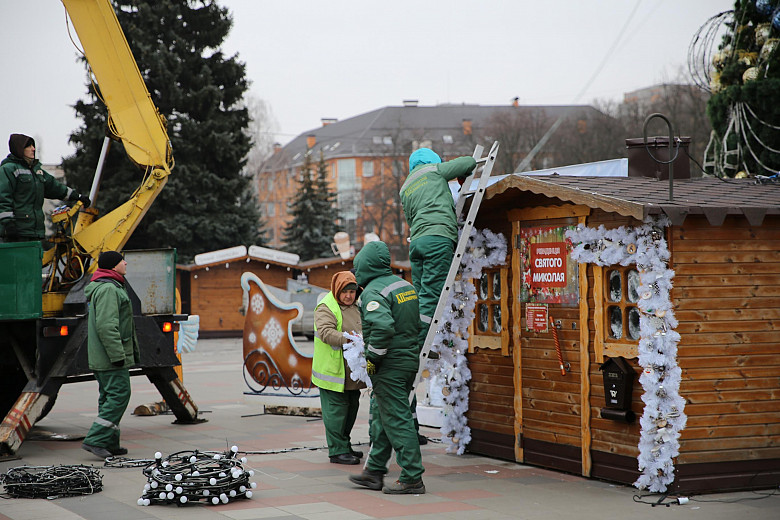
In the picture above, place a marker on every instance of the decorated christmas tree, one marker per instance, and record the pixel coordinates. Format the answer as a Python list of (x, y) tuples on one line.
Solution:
[(735, 56)]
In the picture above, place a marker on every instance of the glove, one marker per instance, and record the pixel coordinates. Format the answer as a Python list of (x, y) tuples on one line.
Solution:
[(85, 200), (370, 368), (461, 180), (121, 362)]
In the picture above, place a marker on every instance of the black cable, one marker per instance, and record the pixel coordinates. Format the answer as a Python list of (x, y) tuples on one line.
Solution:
[(51, 481)]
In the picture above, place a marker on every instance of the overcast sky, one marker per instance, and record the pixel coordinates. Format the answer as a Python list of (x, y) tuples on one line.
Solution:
[(312, 59)]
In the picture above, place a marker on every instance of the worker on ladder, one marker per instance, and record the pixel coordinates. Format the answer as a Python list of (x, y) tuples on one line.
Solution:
[(433, 227)]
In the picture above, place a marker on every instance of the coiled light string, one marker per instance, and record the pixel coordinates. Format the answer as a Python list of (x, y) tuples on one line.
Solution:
[(197, 476), (51, 481)]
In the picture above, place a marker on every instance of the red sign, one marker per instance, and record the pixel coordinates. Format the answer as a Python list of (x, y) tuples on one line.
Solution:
[(548, 264), (536, 317)]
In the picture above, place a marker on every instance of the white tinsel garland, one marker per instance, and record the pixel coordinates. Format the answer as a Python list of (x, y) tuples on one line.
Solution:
[(355, 356), (663, 418), (485, 249)]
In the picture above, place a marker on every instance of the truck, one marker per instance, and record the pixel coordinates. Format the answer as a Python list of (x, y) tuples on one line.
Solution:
[(43, 311)]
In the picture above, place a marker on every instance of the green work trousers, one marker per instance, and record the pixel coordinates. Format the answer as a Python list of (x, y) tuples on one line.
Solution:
[(392, 427), (430, 257), (114, 387), (339, 411)]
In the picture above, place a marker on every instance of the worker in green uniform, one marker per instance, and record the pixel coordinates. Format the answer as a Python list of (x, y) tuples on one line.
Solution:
[(112, 348), (429, 209), (339, 393), (23, 186), (391, 321)]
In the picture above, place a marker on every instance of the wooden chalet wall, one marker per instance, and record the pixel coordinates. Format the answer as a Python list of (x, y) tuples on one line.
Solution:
[(491, 396), (613, 445), (727, 301), (214, 292)]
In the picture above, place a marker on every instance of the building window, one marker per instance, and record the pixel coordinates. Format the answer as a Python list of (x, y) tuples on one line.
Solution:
[(368, 168), (616, 312), (348, 189), (489, 328), (377, 139), (447, 139), (270, 209), (388, 140)]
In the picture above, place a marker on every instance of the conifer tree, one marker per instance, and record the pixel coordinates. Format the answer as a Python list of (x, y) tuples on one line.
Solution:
[(206, 204), (314, 215)]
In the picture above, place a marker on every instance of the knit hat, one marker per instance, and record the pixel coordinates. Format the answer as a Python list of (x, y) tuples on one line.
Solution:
[(109, 259), (350, 287)]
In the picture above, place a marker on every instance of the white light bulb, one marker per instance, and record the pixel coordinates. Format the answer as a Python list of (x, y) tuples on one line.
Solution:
[(242, 489), (170, 495), (244, 460), (206, 492), (213, 481), (251, 473), (140, 502), (165, 464), (193, 459), (168, 487), (253, 485), (232, 493), (248, 494), (147, 487), (147, 501), (178, 490), (222, 474), (217, 457), (215, 500), (161, 495), (178, 477), (157, 455), (234, 449), (154, 484), (196, 473), (183, 499)]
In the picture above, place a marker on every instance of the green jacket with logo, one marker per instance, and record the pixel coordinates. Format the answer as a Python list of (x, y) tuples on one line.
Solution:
[(22, 190), (389, 310), (427, 200), (111, 327)]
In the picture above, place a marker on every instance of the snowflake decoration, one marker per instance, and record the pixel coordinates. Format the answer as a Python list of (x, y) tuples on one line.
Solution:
[(272, 333), (257, 303)]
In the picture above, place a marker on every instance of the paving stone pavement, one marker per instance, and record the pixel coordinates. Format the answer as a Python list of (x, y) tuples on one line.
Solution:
[(295, 479)]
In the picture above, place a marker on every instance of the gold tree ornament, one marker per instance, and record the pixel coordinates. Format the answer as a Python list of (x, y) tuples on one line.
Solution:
[(768, 48), (750, 74), (631, 249), (763, 30)]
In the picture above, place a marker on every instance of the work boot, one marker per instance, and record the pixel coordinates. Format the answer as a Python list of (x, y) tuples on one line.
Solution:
[(356, 453), (422, 439), (118, 451), (405, 488), (345, 458), (98, 451), (369, 479)]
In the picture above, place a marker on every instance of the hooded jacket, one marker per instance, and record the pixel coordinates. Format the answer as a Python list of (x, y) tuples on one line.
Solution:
[(389, 310), (331, 319), (112, 335), (23, 186), (426, 197)]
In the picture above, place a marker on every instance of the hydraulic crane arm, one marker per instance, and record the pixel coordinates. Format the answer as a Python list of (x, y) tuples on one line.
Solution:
[(133, 118)]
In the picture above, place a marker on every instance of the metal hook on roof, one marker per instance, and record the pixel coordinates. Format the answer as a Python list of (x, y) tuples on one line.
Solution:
[(671, 160)]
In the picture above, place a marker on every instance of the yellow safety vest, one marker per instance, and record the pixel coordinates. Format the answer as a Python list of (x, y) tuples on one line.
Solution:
[(327, 369)]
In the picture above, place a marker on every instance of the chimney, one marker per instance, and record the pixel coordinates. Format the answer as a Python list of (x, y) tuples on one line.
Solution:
[(410, 102), (277, 148), (311, 140), (328, 121), (466, 124), (641, 164)]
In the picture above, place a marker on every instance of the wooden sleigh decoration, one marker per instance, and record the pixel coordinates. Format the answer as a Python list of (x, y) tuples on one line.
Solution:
[(271, 357)]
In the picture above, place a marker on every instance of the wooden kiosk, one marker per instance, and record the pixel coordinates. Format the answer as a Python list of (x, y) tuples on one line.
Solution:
[(723, 237)]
